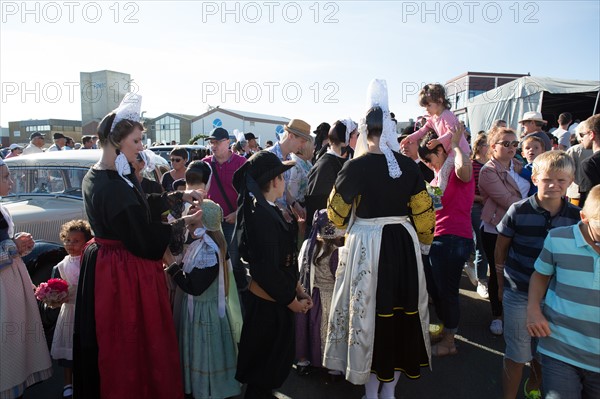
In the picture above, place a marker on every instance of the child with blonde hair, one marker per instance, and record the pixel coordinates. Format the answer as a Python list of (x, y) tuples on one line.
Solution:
[(568, 328), (521, 234)]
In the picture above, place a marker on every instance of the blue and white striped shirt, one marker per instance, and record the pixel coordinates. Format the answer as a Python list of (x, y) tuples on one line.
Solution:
[(527, 223), (572, 304)]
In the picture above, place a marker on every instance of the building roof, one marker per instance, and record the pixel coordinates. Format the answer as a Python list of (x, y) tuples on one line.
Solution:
[(35, 122), (178, 116), (249, 116), (488, 74), (185, 116)]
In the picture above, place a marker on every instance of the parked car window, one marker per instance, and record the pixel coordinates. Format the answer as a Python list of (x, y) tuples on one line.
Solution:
[(47, 180)]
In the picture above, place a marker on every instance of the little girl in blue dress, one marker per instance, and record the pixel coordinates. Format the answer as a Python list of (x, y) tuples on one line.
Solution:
[(210, 319)]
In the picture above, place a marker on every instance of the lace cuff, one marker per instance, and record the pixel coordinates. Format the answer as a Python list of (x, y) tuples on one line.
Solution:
[(8, 251)]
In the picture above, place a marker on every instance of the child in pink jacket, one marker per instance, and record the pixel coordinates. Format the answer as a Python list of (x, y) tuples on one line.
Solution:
[(433, 98)]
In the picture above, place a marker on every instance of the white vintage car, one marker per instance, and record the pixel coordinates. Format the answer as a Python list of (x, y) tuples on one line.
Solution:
[(47, 190)]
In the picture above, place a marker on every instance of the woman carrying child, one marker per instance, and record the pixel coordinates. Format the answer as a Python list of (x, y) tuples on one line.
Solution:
[(443, 122)]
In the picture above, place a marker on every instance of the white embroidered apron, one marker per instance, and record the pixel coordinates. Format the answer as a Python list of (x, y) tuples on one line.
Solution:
[(351, 326)]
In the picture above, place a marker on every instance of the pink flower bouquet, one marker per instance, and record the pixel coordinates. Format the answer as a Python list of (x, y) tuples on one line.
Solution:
[(53, 293)]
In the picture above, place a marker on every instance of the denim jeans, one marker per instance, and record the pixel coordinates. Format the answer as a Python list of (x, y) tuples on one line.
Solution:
[(447, 257), (481, 262), (520, 346), (562, 380)]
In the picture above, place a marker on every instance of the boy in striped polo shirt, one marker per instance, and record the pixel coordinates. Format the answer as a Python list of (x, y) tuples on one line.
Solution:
[(570, 321), (521, 234)]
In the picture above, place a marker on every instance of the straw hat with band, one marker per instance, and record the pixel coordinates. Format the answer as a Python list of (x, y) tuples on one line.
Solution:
[(299, 128)]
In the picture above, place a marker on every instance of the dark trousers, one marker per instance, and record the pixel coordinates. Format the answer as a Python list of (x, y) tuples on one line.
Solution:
[(489, 245)]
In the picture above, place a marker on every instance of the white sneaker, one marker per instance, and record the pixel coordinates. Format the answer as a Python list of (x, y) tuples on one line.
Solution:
[(470, 270), (482, 290), (496, 327)]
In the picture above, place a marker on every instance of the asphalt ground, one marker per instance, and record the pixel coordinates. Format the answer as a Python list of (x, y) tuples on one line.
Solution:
[(475, 372)]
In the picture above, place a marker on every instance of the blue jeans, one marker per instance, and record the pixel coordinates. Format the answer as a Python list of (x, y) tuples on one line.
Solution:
[(481, 262), (447, 257), (561, 380)]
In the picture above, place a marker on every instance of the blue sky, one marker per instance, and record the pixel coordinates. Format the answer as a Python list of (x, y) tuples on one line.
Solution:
[(308, 60)]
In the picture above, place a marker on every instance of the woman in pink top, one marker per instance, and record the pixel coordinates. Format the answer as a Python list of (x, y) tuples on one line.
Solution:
[(453, 239), (500, 186)]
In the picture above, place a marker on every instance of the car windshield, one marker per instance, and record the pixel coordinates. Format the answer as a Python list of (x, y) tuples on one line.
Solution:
[(47, 180)]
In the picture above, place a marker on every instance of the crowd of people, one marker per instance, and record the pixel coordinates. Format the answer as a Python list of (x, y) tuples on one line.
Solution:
[(324, 250)]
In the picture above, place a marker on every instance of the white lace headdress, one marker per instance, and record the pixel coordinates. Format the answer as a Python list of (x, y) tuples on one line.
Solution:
[(350, 126), (148, 158), (130, 109), (377, 96)]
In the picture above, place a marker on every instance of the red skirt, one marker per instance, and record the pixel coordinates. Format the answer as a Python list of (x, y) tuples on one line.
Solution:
[(138, 354)]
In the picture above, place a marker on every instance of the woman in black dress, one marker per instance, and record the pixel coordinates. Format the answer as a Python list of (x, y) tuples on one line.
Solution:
[(124, 338), (378, 324)]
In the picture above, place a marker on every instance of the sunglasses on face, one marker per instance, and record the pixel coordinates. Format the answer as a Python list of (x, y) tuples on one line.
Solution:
[(582, 135), (176, 159), (507, 143)]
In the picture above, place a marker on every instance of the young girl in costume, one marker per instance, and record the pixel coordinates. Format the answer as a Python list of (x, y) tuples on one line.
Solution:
[(74, 235), (433, 98), (209, 314), (269, 246), (318, 262)]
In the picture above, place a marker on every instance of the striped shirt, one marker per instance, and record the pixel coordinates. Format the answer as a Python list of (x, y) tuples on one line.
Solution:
[(572, 304), (527, 223), (476, 169)]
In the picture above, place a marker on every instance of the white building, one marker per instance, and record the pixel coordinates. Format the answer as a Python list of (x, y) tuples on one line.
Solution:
[(263, 126)]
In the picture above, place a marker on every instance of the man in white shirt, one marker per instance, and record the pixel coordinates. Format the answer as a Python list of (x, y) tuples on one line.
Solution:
[(60, 140), (562, 133), (36, 144)]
